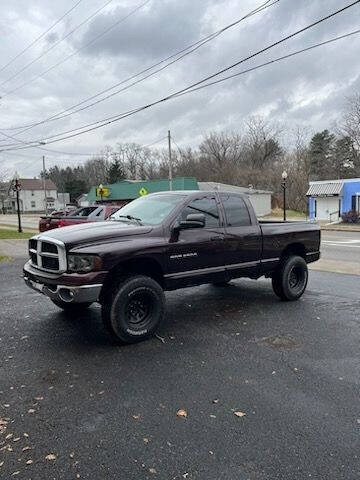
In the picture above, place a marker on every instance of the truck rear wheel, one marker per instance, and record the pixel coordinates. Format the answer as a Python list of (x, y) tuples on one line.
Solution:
[(290, 280), (71, 307), (134, 310)]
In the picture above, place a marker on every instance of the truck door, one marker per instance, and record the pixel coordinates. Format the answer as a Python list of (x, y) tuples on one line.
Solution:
[(243, 240), (197, 255)]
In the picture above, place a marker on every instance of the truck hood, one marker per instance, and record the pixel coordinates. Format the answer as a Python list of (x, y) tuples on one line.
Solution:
[(97, 232)]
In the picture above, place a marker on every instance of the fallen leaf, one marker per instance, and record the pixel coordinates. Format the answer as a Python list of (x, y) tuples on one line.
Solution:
[(39, 398), (136, 417), (51, 456), (185, 475), (26, 448), (31, 410), (240, 414), (8, 436), (212, 416), (26, 435), (102, 391), (211, 453), (16, 439), (72, 455), (216, 400), (29, 462), (78, 475), (152, 470), (1, 464), (146, 440), (162, 340), (15, 473), (181, 413), (6, 405)]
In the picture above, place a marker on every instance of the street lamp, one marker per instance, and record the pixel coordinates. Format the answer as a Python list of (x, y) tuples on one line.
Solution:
[(284, 176), (16, 188)]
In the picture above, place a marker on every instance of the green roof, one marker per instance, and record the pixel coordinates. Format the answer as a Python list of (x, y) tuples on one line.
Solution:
[(131, 189)]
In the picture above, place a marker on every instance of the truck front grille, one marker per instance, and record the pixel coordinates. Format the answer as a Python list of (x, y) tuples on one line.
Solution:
[(47, 254)]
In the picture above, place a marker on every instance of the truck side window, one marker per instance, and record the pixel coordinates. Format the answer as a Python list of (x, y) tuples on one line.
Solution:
[(208, 207), (237, 214)]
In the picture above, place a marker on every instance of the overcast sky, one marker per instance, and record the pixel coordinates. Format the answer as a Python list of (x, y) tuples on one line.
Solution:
[(308, 90)]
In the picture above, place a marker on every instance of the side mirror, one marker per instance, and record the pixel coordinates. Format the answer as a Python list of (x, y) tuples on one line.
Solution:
[(194, 220)]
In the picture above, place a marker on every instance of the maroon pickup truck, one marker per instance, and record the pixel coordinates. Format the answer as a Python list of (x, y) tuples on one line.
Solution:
[(95, 213), (164, 241)]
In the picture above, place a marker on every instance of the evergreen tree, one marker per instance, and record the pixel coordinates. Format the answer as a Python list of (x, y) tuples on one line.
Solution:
[(345, 158), (321, 155), (115, 171)]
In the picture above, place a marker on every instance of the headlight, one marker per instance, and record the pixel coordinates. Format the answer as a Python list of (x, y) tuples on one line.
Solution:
[(83, 263)]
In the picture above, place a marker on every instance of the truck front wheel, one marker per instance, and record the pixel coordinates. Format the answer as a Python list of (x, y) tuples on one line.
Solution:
[(134, 309), (290, 280)]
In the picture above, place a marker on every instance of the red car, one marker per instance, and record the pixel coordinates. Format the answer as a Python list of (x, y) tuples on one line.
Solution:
[(95, 213)]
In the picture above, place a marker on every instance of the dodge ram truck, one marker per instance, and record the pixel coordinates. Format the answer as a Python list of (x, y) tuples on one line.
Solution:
[(165, 241)]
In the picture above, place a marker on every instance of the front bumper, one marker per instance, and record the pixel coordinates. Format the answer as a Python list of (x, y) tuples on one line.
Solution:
[(60, 292)]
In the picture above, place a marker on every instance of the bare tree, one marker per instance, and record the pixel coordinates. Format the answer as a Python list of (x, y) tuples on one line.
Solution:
[(350, 124)]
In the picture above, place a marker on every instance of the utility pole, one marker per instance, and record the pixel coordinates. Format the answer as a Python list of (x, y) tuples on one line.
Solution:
[(170, 163), (17, 187), (44, 184)]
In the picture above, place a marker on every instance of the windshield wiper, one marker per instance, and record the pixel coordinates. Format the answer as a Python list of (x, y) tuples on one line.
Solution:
[(130, 217)]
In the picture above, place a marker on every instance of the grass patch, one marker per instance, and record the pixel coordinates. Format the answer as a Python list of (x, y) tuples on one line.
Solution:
[(6, 234), (3, 258), (278, 212)]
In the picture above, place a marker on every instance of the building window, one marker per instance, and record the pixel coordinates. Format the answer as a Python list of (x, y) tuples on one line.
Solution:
[(33, 204)]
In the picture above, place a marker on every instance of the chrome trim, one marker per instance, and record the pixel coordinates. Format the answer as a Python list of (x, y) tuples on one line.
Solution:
[(61, 254), (191, 273), (275, 259), (78, 294), (313, 253), (232, 266)]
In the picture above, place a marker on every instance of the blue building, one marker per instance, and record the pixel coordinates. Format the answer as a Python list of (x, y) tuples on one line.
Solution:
[(329, 199)]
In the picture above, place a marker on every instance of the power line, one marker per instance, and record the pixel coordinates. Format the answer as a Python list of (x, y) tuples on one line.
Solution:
[(55, 44), (188, 50), (197, 85), (132, 12), (40, 36)]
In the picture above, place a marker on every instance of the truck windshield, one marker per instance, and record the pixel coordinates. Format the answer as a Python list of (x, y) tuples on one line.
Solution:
[(148, 210)]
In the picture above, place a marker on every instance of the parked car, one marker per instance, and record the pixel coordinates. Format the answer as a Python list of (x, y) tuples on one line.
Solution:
[(166, 241), (95, 213)]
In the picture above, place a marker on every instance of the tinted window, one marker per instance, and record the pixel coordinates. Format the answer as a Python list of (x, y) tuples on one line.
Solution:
[(237, 214), (208, 207)]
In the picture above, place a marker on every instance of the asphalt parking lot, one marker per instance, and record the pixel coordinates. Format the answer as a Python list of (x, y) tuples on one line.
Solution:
[(74, 404)]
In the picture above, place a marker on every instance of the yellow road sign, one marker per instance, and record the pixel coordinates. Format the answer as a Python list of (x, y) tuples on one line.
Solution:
[(102, 192), (143, 191)]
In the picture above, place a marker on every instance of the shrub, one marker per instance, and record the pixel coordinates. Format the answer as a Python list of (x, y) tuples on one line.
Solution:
[(351, 217)]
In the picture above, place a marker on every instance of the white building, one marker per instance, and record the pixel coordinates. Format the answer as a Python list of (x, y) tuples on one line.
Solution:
[(260, 199), (32, 196)]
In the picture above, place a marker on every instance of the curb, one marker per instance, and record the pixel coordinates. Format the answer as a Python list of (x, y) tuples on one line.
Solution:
[(341, 229)]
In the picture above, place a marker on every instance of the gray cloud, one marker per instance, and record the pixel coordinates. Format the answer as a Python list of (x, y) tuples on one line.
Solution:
[(309, 90)]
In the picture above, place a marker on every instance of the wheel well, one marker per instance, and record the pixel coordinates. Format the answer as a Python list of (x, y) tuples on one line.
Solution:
[(144, 266), (294, 249)]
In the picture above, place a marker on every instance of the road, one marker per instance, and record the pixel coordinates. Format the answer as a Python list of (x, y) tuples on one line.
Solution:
[(79, 406), (340, 252)]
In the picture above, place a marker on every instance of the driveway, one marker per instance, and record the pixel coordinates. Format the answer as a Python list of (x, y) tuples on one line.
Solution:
[(271, 389)]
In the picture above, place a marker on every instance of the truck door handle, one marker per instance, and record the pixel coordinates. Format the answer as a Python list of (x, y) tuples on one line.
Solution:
[(216, 237)]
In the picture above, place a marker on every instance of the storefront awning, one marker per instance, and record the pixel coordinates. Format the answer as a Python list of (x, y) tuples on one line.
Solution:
[(325, 189)]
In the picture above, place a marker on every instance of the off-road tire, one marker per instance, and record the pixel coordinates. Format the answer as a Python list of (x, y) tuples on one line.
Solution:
[(289, 281), (133, 309)]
